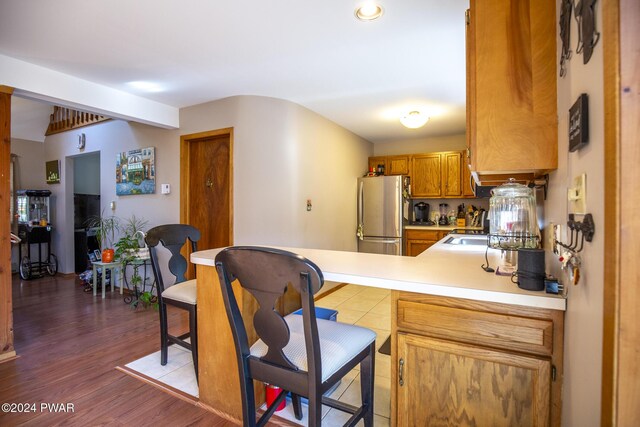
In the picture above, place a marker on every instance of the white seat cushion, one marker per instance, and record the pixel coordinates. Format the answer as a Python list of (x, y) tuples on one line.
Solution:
[(339, 343), (183, 291)]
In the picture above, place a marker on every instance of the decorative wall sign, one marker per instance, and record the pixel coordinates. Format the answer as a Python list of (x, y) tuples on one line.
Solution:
[(579, 123), (136, 172), (52, 172)]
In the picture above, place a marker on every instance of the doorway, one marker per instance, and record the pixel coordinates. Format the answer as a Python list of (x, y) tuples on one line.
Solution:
[(206, 186), (86, 205)]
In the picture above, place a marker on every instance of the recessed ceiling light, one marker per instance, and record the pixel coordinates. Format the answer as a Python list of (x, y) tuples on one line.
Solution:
[(414, 119), (146, 86), (369, 11)]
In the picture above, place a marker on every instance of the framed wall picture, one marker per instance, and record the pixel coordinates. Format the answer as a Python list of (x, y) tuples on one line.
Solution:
[(136, 172), (52, 171)]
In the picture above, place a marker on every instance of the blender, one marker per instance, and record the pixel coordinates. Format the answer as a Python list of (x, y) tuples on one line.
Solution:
[(444, 207)]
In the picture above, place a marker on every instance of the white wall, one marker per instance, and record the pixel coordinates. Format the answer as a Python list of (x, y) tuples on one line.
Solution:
[(30, 172), (285, 154), (111, 138), (420, 145), (583, 318)]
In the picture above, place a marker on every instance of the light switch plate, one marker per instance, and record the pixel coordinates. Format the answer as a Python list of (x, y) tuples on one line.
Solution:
[(165, 188), (577, 195)]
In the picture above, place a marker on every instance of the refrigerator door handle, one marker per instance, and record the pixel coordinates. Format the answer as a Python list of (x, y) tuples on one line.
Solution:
[(381, 240), (360, 232)]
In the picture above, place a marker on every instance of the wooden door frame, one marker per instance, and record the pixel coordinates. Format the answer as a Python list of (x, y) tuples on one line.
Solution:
[(7, 350), (621, 333), (185, 146)]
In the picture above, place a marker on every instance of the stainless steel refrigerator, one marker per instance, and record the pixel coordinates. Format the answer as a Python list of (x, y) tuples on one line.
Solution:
[(380, 215)]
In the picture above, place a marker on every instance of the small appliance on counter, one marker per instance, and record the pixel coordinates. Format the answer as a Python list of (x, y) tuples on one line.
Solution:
[(444, 207), (421, 214)]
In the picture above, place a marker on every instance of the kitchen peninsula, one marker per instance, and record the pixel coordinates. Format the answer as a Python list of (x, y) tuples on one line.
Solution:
[(501, 346)]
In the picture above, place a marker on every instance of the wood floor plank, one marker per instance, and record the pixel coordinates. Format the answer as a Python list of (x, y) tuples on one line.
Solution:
[(69, 344)]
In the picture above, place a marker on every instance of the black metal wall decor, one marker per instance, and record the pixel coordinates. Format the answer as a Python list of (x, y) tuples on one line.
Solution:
[(587, 35), (565, 34)]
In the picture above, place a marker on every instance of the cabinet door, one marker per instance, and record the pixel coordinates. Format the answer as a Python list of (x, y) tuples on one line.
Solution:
[(416, 246), (464, 385), (426, 175), (511, 57), (375, 161), (397, 165), (468, 185), (451, 174)]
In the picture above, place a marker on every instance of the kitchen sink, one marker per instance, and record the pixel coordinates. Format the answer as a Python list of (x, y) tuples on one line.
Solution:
[(466, 241)]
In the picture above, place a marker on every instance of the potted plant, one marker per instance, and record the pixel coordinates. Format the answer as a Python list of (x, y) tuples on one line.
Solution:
[(130, 252), (107, 227)]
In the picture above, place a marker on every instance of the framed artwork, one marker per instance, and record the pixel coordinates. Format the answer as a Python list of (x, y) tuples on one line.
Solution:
[(97, 255), (52, 171), (136, 172), (92, 257)]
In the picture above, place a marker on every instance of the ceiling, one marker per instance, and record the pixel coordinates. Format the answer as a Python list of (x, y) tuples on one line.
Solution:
[(361, 75)]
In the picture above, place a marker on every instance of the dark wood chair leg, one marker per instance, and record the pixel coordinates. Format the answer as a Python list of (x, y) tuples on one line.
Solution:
[(367, 375), (163, 334), (297, 406), (315, 409), (193, 335)]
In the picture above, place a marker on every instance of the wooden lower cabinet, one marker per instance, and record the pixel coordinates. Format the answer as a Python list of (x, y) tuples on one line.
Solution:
[(463, 385), (418, 241), (472, 363)]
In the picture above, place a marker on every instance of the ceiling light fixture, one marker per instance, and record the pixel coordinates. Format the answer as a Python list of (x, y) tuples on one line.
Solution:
[(369, 11), (414, 119), (146, 86)]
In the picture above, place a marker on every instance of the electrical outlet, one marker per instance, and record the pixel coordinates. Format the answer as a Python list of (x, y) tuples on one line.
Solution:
[(552, 234), (577, 195)]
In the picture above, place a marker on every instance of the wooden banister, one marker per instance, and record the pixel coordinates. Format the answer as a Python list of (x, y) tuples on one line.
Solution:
[(64, 119)]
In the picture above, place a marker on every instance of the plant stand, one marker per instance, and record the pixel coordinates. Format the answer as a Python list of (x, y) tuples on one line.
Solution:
[(148, 283), (117, 266)]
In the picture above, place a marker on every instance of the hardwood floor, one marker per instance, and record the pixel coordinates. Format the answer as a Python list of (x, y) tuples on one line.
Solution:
[(69, 344)]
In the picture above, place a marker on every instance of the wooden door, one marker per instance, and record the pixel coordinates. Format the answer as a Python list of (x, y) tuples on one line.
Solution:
[(426, 175), (451, 174), (206, 186), (464, 385), (397, 165)]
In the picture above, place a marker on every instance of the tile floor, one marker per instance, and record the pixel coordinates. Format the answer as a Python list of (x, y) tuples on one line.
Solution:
[(359, 305)]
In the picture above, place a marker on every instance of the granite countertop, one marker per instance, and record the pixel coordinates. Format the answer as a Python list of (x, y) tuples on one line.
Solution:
[(443, 270)]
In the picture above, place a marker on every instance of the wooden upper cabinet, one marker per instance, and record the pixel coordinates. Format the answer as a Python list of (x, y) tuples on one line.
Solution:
[(397, 165), (512, 123), (375, 161), (451, 174), (426, 175), (468, 186)]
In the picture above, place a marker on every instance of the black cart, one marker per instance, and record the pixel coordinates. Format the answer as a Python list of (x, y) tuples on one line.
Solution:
[(40, 235), (34, 228)]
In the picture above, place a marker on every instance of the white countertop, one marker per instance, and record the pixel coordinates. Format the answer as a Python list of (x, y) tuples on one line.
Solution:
[(443, 270)]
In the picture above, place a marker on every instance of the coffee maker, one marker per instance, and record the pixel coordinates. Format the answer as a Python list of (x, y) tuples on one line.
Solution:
[(421, 213)]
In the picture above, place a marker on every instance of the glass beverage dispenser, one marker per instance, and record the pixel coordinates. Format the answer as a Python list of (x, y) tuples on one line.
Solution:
[(513, 222)]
